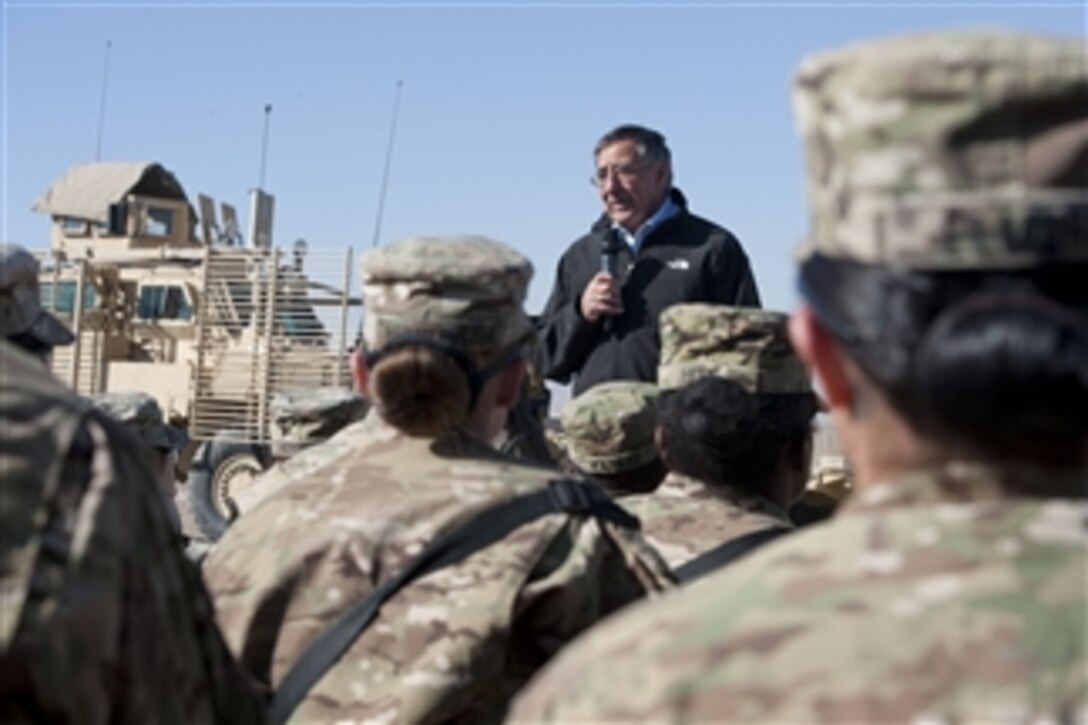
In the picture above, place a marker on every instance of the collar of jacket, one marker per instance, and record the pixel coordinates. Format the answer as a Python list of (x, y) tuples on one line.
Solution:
[(958, 482), (680, 485)]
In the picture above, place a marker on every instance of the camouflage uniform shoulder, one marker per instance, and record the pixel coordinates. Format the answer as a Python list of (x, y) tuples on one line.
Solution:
[(85, 540), (684, 517), (889, 584), (304, 418), (425, 659), (41, 422), (351, 437)]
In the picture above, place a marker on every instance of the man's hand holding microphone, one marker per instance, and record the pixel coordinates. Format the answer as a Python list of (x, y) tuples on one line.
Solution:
[(602, 297)]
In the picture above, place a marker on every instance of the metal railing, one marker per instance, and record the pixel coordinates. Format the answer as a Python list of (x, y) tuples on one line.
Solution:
[(80, 365), (267, 326)]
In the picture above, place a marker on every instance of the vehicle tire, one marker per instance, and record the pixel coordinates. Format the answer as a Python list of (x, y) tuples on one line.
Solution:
[(221, 466)]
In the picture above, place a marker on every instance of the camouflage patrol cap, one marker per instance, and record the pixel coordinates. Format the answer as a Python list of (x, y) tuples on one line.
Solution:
[(464, 290), (556, 441), (141, 414), (609, 429), (949, 150), (304, 417), (20, 299), (743, 344)]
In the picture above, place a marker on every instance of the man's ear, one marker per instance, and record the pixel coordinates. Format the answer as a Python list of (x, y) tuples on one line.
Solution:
[(360, 374), (823, 355), (663, 174), (509, 382)]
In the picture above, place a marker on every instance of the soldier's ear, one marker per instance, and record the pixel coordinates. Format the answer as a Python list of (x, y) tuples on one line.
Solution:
[(510, 384), (823, 356), (360, 373)]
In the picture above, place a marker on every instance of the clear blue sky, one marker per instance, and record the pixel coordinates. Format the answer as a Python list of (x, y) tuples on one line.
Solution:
[(501, 106)]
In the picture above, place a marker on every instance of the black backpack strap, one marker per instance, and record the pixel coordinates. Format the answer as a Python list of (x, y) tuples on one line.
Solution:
[(721, 555), (479, 532)]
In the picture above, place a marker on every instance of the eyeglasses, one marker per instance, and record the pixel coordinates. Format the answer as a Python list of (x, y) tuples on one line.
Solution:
[(624, 172)]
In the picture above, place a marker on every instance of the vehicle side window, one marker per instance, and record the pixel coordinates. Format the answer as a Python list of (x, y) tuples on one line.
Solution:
[(159, 222), (159, 302), (73, 227), (66, 297)]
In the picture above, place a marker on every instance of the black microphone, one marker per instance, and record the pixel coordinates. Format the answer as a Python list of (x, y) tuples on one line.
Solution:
[(610, 253), (610, 264)]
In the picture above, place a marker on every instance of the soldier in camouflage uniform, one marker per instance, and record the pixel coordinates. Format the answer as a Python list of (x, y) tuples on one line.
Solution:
[(556, 441), (609, 436), (22, 319), (102, 618), (304, 418), (524, 437), (444, 335), (141, 415), (944, 313), (695, 511), (310, 429)]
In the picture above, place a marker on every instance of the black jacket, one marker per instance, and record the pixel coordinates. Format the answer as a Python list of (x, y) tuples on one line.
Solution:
[(686, 259)]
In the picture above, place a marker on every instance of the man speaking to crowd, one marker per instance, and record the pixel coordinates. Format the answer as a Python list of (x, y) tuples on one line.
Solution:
[(644, 254)]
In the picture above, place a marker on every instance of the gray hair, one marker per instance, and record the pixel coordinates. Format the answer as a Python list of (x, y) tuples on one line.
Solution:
[(649, 144)]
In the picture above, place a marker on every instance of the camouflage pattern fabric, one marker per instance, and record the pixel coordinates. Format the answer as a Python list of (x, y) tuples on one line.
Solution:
[(609, 429), (20, 299), (101, 617), (453, 646), (556, 439), (140, 413), (467, 291), (303, 418), (684, 517), (749, 346), (983, 596), (304, 464), (947, 150)]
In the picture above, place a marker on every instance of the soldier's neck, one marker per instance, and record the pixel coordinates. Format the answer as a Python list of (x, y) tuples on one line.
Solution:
[(881, 445)]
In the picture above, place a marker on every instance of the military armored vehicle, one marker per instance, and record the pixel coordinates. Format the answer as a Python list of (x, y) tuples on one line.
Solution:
[(211, 322)]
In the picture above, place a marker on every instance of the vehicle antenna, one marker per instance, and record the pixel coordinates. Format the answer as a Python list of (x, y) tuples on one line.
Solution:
[(102, 105), (388, 162), (264, 144)]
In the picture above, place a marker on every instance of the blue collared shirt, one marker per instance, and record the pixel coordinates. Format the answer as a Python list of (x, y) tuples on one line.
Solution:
[(668, 209)]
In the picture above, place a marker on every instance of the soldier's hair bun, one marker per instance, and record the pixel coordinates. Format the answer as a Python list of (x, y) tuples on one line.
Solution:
[(1006, 375), (420, 390)]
